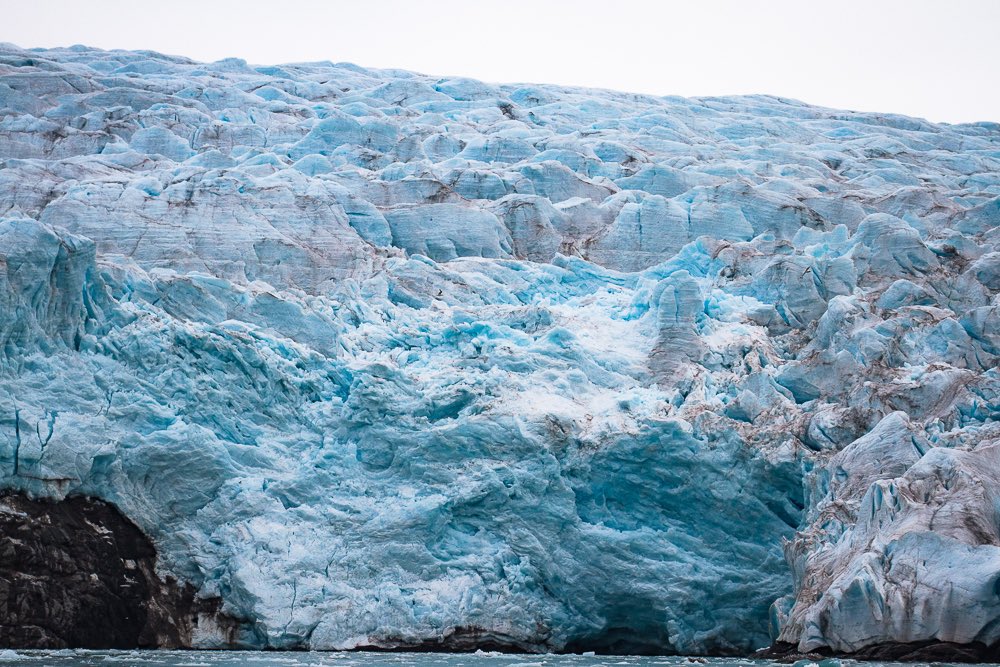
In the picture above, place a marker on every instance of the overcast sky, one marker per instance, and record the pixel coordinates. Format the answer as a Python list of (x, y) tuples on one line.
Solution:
[(938, 60)]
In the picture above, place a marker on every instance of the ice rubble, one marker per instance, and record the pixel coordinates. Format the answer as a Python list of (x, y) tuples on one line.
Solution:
[(382, 358)]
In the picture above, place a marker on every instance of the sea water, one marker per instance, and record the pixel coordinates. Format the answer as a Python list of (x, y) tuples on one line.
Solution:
[(81, 658)]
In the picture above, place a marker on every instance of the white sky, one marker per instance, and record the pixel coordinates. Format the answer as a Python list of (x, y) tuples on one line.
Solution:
[(935, 59)]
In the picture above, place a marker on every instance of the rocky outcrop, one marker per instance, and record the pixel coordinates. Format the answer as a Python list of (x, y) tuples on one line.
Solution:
[(78, 574)]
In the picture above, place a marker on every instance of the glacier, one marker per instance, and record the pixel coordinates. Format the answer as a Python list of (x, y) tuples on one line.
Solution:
[(380, 359)]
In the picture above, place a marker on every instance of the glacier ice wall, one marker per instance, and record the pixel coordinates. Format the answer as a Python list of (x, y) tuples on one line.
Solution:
[(384, 359)]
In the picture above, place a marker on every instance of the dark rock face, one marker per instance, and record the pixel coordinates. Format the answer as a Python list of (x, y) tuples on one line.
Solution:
[(78, 574)]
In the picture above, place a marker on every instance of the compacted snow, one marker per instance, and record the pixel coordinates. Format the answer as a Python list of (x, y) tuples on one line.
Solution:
[(383, 359)]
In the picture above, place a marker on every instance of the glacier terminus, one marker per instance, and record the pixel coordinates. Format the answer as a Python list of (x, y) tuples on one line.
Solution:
[(374, 359)]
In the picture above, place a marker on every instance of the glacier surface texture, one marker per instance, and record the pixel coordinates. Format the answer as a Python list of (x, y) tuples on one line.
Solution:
[(385, 359)]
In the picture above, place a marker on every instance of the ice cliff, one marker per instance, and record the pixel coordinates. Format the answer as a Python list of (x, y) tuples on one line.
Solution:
[(385, 359)]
